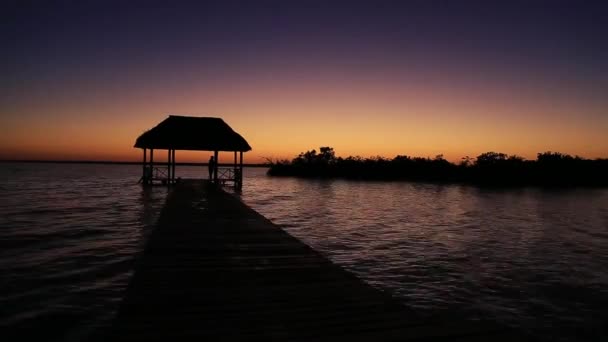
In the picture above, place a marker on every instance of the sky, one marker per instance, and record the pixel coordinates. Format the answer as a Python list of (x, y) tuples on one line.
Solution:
[(81, 80)]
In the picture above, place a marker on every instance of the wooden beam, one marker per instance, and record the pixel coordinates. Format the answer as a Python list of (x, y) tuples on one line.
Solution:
[(236, 172), (168, 166), (151, 164), (173, 167), (215, 155), (240, 186), (144, 166)]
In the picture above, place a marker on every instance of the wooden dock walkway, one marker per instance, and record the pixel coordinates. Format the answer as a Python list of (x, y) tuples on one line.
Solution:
[(214, 270)]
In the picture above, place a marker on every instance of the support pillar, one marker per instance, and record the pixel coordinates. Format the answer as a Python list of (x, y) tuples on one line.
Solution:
[(173, 166), (168, 166), (151, 172), (144, 167), (236, 171), (240, 186), (215, 177)]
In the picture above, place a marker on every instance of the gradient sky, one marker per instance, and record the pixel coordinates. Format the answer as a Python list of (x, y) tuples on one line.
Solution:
[(82, 79)]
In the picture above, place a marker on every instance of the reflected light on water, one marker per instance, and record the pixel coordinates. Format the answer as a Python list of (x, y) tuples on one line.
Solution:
[(531, 258)]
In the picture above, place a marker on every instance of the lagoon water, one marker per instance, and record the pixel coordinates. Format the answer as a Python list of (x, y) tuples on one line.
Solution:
[(533, 259)]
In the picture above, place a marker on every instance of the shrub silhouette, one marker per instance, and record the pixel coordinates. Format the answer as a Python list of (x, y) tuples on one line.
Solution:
[(490, 168)]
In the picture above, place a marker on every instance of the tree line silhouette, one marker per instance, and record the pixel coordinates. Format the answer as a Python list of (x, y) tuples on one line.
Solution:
[(490, 168)]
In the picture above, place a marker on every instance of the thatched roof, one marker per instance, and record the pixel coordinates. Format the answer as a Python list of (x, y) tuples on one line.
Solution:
[(194, 134)]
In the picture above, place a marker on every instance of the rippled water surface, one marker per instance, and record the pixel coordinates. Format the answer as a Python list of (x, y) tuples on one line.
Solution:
[(534, 259), (68, 237)]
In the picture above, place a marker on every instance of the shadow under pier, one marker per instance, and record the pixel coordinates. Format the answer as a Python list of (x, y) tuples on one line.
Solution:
[(214, 269)]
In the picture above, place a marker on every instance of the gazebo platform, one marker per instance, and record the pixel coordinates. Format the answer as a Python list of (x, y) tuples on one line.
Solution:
[(191, 133), (214, 270)]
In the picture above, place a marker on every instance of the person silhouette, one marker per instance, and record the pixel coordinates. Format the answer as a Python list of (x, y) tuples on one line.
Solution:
[(211, 166)]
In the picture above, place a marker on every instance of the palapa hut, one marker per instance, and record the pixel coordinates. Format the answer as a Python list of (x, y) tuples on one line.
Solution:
[(192, 134)]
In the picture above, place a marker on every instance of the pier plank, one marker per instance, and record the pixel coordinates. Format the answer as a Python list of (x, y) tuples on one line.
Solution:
[(214, 269)]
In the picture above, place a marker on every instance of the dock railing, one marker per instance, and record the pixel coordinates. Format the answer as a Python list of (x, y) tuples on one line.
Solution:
[(160, 173), (155, 174), (229, 174), (225, 175)]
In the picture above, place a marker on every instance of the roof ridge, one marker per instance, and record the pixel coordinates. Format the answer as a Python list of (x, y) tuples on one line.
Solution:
[(194, 117)]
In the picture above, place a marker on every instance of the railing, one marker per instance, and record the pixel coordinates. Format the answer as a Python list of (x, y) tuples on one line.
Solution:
[(155, 173), (228, 174), (161, 173), (224, 175)]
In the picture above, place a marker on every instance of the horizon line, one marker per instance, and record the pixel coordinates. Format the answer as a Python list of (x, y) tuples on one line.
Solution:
[(44, 161)]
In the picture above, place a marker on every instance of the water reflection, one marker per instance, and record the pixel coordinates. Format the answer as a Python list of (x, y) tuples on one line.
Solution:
[(69, 237), (532, 258)]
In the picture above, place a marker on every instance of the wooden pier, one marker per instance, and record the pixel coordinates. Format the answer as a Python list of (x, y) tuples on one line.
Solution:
[(214, 270)]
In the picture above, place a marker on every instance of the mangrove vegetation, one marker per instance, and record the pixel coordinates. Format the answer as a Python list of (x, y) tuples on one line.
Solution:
[(490, 168)]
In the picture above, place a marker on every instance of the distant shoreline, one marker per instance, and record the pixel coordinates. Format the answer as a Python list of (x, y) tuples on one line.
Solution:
[(550, 169), (108, 162)]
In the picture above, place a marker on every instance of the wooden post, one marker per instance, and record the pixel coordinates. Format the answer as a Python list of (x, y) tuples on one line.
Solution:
[(173, 167), (241, 172), (151, 164), (144, 166), (168, 166), (235, 171), (215, 156)]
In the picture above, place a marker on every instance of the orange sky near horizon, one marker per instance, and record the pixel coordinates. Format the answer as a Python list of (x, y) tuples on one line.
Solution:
[(280, 120)]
